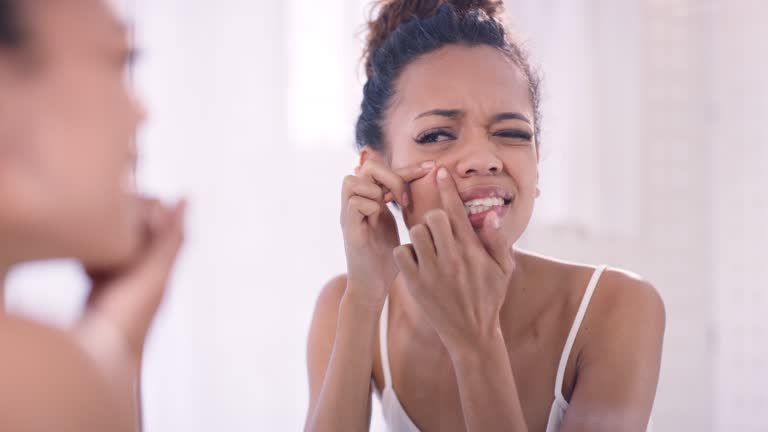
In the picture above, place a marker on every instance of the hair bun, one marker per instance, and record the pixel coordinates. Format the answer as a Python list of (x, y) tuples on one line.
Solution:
[(388, 15)]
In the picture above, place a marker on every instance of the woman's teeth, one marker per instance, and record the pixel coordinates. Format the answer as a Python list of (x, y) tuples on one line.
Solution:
[(482, 205)]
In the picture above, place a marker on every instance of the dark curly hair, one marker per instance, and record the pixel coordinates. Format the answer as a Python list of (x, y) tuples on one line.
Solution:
[(400, 31)]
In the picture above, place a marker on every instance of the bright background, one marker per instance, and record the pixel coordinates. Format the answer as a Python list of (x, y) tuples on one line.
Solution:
[(655, 148)]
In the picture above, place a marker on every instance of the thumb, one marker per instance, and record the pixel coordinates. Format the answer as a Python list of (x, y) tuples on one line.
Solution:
[(496, 242), (150, 276), (166, 239)]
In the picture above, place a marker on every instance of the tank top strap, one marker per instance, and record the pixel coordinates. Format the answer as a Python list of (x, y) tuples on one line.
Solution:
[(575, 330), (383, 345)]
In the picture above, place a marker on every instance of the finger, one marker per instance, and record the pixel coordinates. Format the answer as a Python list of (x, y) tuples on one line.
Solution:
[(454, 206), (440, 227), (405, 258), (389, 197), (415, 171), (496, 243), (424, 245), (395, 182), (356, 186), (155, 268), (360, 208), (135, 297)]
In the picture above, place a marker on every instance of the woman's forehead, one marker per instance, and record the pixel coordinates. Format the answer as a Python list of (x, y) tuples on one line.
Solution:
[(462, 77)]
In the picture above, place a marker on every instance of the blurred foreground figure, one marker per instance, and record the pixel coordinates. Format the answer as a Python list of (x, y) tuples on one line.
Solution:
[(67, 121)]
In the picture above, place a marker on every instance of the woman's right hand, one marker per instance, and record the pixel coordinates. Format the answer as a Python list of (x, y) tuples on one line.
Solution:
[(370, 230), (123, 301)]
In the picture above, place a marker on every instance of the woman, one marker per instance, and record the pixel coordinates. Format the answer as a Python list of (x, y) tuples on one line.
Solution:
[(460, 330), (67, 122)]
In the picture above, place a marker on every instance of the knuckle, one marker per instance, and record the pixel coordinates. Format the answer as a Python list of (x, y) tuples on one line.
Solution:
[(452, 260), (379, 192), (417, 230), (354, 204), (436, 217), (348, 182), (369, 165)]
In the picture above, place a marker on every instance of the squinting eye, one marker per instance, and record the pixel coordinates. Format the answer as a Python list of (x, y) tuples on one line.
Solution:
[(515, 134), (434, 137)]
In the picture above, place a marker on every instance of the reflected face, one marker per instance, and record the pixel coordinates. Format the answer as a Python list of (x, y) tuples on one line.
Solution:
[(67, 124), (468, 109)]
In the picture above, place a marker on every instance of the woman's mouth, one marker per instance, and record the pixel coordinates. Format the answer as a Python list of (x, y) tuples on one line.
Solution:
[(479, 202)]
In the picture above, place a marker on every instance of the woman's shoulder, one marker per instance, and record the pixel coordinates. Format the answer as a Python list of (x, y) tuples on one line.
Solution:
[(333, 290), (28, 376), (624, 305), (617, 289)]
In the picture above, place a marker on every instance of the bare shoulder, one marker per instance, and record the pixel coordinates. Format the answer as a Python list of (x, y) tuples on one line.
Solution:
[(331, 294), (619, 294), (322, 330), (45, 371), (626, 320), (623, 304), (625, 296)]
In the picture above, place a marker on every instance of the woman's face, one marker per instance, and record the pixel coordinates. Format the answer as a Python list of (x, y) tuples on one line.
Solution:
[(468, 109), (67, 122)]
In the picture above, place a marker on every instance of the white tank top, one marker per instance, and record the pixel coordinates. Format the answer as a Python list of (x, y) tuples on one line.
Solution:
[(397, 419)]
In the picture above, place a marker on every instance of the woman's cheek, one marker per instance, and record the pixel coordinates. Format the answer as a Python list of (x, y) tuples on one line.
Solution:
[(424, 197)]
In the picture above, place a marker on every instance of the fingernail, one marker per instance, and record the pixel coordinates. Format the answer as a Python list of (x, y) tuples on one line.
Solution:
[(442, 173), (405, 199), (428, 165)]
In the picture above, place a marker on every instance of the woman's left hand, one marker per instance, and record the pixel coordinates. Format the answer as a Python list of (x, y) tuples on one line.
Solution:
[(459, 277)]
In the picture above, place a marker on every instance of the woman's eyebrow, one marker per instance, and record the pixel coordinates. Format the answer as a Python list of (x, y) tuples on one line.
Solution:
[(449, 113), (454, 113), (510, 116)]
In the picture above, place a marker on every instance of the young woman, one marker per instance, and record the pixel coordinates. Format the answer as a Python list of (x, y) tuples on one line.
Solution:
[(67, 122), (460, 330)]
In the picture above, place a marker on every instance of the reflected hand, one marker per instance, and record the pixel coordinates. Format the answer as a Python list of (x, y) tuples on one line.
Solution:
[(123, 303)]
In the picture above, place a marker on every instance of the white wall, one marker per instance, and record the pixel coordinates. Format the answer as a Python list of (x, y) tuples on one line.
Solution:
[(655, 147), (739, 213)]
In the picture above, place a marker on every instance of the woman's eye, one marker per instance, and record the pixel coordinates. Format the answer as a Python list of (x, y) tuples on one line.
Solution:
[(434, 137), (515, 134)]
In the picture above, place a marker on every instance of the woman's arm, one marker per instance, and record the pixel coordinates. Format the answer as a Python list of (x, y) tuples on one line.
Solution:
[(489, 398), (618, 367), (340, 350), (340, 361)]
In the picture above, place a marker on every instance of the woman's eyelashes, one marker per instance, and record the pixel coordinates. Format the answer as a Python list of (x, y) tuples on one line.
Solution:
[(515, 134), (438, 135), (434, 136)]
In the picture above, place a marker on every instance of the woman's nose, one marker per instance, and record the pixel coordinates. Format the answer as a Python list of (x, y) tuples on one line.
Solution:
[(481, 162)]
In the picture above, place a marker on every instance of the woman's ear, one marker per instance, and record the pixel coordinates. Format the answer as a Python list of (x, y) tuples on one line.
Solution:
[(368, 153)]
